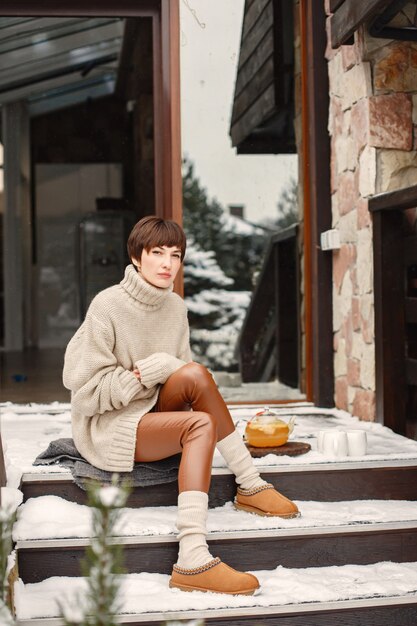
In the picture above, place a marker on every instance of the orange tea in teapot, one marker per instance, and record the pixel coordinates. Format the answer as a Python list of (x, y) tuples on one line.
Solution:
[(267, 430)]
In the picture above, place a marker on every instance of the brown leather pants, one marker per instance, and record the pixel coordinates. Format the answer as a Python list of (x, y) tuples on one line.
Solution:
[(173, 427)]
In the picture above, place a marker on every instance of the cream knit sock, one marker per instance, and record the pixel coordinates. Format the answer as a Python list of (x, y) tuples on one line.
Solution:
[(239, 461), (191, 524)]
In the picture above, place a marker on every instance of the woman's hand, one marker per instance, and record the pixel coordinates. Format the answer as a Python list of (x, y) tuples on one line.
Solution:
[(136, 373)]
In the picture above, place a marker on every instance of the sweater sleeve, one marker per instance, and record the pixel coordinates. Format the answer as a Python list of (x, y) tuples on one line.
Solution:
[(157, 368), (98, 383)]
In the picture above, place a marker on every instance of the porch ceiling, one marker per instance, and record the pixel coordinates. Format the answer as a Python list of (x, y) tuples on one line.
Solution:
[(57, 62)]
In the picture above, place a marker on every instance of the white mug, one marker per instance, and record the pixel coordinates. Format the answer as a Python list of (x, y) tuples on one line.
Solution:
[(334, 443), (320, 436), (357, 442)]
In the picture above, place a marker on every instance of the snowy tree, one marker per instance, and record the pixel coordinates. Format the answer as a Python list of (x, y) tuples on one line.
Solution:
[(224, 254), (201, 270), (215, 345), (215, 311), (241, 250)]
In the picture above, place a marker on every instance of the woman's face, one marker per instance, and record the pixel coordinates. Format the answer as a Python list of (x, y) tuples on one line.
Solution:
[(159, 266)]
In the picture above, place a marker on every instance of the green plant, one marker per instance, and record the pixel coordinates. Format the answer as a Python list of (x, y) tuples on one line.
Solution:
[(103, 561), (7, 518)]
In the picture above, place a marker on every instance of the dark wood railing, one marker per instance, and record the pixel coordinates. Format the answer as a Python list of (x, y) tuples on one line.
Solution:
[(268, 345), (395, 293)]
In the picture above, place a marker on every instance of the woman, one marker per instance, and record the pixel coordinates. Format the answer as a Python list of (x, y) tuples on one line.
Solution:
[(138, 396)]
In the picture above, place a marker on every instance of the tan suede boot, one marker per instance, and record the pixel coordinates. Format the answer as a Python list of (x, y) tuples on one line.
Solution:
[(254, 494), (265, 500), (216, 577)]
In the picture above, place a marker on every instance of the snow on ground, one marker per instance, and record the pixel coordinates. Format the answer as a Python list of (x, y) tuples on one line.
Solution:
[(50, 517), (11, 499), (26, 435), (149, 593), (257, 392), (27, 431)]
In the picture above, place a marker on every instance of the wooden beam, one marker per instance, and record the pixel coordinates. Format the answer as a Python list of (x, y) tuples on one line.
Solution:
[(17, 225), (400, 199), (125, 58), (170, 16), (57, 8), (167, 116), (318, 217), (350, 15)]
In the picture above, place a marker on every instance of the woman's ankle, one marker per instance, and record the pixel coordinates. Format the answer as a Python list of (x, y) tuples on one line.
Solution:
[(252, 482), (193, 552), (192, 530), (239, 461)]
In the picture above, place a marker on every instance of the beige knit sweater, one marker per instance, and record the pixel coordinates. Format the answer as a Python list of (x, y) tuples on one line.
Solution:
[(132, 324)]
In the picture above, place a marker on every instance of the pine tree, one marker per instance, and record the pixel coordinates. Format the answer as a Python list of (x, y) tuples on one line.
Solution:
[(202, 218), (223, 255), (202, 272), (237, 245), (214, 312)]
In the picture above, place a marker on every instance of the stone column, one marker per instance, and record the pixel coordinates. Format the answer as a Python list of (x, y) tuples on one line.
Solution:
[(372, 124)]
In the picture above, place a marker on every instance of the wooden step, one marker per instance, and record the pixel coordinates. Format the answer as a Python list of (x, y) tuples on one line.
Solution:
[(360, 544), (360, 532), (319, 596), (397, 611), (327, 482)]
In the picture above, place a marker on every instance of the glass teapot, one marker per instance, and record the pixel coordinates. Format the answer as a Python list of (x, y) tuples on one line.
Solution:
[(267, 430)]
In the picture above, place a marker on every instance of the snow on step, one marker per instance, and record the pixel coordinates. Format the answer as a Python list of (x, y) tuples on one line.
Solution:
[(51, 517), (25, 435), (149, 593)]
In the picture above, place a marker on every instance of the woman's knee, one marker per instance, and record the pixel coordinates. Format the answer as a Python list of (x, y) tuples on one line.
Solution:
[(203, 424), (196, 373)]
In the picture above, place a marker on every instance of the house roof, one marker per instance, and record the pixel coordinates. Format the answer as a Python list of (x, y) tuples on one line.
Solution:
[(263, 105), (56, 62)]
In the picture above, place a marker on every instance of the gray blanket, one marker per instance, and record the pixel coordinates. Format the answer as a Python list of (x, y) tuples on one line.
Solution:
[(63, 452)]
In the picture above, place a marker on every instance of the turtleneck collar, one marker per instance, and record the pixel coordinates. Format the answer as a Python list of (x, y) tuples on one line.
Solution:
[(149, 296)]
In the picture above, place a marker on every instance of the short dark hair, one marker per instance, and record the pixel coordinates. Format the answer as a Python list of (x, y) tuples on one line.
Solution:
[(151, 232)]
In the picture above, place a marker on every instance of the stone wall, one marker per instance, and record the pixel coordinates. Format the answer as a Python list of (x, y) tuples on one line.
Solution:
[(373, 129)]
